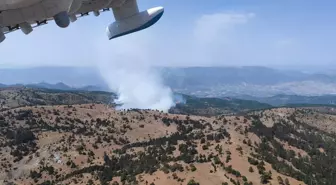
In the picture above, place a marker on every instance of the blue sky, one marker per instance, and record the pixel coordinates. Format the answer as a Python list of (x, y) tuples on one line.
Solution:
[(191, 33)]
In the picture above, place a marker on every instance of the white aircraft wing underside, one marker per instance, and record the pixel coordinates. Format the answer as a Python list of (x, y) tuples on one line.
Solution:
[(15, 4), (37, 24), (25, 15)]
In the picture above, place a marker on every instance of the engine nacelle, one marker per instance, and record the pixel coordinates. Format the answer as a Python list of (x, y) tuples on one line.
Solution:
[(26, 28), (2, 35), (137, 22), (62, 19)]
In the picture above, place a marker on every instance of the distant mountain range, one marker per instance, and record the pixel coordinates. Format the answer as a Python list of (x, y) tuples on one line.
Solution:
[(254, 81), (287, 100), (72, 76), (212, 76), (200, 81), (57, 86)]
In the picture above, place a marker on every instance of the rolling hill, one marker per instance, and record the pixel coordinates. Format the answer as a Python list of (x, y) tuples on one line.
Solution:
[(92, 143), (216, 106), (12, 97)]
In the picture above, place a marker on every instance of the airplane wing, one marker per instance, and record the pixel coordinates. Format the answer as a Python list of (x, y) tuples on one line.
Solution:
[(26, 15), (9, 29)]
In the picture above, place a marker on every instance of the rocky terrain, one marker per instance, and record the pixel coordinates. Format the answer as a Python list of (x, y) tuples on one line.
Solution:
[(92, 143)]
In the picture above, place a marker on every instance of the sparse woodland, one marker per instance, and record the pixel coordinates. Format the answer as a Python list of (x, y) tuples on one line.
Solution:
[(94, 144)]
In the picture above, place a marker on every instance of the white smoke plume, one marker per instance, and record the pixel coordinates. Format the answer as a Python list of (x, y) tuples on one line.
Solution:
[(128, 69), (179, 99)]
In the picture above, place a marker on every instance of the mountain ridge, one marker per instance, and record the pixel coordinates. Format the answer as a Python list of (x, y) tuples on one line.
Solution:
[(199, 81)]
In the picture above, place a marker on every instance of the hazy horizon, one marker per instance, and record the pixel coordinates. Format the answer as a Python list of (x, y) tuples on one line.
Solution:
[(301, 68)]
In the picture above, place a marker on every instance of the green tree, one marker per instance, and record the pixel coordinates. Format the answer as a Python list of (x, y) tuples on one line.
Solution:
[(251, 169), (193, 167), (265, 177), (217, 160), (287, 182), (193, 182), (281, 182)]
